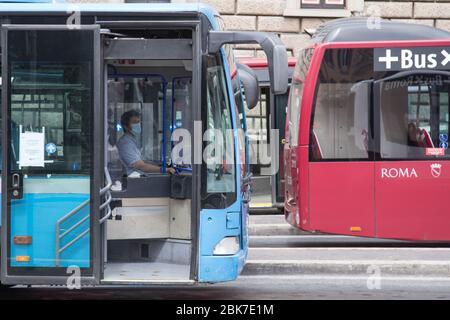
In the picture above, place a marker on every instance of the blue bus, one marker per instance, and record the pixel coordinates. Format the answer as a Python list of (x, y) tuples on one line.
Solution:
[(76, 79)]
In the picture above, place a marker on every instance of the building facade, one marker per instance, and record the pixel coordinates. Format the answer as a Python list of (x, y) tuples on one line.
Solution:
[(294, 19)]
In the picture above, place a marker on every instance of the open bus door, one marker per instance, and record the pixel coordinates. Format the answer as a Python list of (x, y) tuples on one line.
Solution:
[(51, 175), (271, 111), (57, 225)]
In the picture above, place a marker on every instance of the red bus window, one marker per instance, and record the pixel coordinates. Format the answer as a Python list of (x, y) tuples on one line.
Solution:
[(340, 125), (414, 117), (296, 93)]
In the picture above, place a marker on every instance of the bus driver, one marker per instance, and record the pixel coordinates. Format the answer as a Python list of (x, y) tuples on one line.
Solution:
[(129, 151)]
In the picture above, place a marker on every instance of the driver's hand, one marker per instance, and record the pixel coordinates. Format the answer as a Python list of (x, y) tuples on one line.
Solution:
[(171, 171)]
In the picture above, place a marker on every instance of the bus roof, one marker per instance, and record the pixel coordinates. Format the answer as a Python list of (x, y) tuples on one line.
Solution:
[(363, 29), (36, 6)]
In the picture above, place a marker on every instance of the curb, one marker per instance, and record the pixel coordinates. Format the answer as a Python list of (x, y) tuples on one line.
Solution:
[(350, 268), (275, 230)]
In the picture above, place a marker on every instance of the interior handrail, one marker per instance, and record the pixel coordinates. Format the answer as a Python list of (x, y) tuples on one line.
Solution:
[(104, 191), (58, 237), (108, 182)]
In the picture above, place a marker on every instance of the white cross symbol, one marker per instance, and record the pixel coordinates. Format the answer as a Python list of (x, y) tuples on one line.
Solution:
[(446, 57), (388, 59)]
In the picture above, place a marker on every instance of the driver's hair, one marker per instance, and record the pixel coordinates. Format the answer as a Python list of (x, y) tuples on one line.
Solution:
[(126, 118)]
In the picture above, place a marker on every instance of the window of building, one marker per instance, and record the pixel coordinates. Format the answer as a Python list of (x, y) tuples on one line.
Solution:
[(322, 4), (323, 8)]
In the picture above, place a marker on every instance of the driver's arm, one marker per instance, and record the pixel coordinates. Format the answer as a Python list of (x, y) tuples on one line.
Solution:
[(146, 167), (150, 168)]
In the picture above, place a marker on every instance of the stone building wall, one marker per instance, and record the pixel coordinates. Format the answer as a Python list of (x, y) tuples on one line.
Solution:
[(275, 16), (270, 15)]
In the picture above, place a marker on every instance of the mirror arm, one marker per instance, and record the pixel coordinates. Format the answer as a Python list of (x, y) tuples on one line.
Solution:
[(270, 43)]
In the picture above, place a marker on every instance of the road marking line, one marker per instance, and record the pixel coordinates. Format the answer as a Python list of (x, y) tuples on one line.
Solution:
[(358, 249), (344, 277), (353, 262)]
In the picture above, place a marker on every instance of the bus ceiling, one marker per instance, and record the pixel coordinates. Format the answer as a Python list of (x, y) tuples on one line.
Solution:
[(270, 43)]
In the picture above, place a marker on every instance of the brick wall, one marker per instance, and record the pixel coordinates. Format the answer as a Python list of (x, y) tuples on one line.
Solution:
[(270, 15)]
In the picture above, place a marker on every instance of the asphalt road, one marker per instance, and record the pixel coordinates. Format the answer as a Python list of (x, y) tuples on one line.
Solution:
[(260, 287)]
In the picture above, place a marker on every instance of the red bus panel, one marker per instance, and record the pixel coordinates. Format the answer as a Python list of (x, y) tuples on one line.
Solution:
[(342, 197), (412, 200)]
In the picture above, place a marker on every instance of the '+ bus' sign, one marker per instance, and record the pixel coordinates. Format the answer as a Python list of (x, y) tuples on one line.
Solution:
[(413, 58)]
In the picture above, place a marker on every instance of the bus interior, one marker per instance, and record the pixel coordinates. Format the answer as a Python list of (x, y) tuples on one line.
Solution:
[(149, 232)]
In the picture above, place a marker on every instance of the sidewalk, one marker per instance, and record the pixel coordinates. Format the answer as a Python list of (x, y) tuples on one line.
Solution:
[(276, 249), (422, 262)]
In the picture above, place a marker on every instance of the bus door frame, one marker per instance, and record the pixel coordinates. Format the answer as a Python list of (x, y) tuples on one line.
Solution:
[(197, 39), (98, 173)]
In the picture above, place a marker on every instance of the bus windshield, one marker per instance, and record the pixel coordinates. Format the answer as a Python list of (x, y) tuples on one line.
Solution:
[(413, 111)]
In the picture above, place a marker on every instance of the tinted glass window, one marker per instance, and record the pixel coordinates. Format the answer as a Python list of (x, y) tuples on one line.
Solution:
[(221, 173), (340, 126), (414, 111), (146, 96), (296, 93), (414, 117), (51, 93)]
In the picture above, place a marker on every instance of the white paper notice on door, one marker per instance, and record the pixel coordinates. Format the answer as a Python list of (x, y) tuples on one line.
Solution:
[(31, 150)]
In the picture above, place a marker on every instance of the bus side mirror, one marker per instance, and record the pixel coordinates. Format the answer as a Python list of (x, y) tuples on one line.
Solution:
[(250, 82), (273, 47)]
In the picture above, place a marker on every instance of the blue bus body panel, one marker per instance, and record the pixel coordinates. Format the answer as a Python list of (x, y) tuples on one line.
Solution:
[(215, 224), (36, 215)]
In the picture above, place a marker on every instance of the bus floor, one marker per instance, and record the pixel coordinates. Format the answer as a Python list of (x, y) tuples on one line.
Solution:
[(145, 272)]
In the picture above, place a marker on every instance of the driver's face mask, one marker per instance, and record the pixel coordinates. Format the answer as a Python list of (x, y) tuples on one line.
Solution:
[(136, 129)]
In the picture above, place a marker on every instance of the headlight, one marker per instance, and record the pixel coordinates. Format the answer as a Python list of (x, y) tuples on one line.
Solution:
[(227, 246)]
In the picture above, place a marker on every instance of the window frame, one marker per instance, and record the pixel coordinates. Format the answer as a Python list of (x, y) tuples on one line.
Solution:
[(300, 75), (295, 9), (322, 4)]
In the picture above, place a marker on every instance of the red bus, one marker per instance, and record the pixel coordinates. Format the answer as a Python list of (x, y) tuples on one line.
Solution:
[(367, 132)]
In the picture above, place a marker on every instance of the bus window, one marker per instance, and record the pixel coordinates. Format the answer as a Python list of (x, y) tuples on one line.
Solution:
[(296, 92), (221, 175), (294, 111), (179, 91), (50, 97), (414, 118), (240, 107), (340, 124), (146, 96)]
